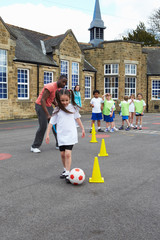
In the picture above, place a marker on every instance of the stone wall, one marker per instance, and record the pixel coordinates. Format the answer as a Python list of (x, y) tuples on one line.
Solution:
[(119, 52), (153, 105)]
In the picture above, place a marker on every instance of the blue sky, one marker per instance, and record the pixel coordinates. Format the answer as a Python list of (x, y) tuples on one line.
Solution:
[(55, 17)]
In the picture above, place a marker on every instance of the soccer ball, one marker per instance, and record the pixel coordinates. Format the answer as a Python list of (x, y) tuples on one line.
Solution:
[(76, 176)]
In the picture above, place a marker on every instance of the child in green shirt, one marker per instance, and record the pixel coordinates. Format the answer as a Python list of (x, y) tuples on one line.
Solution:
[(125, 113), (139, 110), (108, 107)]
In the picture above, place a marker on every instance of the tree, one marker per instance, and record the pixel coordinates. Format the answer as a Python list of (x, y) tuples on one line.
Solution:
[(140, 34), (154, 23)]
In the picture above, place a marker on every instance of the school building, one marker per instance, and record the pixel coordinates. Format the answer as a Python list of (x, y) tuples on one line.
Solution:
[(30, 59)]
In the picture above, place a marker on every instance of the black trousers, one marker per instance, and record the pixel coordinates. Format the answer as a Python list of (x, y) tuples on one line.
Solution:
[(43, 122)]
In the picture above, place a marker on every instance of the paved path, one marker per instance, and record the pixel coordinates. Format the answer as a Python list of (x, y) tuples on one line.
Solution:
[(35, 204)]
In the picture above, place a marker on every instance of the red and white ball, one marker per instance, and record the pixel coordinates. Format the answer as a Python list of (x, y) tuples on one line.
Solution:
[(77, 176)]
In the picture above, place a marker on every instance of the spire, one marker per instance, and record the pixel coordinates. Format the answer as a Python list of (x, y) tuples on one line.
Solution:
[(97, 26)]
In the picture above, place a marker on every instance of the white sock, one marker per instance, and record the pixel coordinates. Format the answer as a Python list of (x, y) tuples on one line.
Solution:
[(64, 169), (99, 127), (140, 126)]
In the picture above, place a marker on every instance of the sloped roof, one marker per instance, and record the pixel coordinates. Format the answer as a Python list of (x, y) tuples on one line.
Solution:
[(153, 60), (52, 42), (29, 49), (88, 67), (84, 46), (28, 46)]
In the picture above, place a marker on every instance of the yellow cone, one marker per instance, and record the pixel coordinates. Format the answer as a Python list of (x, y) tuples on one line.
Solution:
[(96, 173), (93, 129), (103, 152), (93, 139)]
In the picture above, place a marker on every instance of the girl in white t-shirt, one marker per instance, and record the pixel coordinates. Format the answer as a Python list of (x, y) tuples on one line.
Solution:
[(131, 109), (64, 116)]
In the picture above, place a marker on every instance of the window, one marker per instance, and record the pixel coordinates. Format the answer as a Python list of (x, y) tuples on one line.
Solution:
[(156, 90), (48, 77), (65, 71), (130, 86), (111, 69), (87, 87), (130, 69), (111, 86), (99, 33), (75, 74), (23, 84), (3, 74), (92, 34)]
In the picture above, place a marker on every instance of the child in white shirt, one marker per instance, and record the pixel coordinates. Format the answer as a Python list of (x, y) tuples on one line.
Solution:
[(131, 109), (95, 103), (64, 116)]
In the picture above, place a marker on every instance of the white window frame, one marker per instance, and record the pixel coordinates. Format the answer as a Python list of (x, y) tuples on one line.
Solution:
[(51, 76), (73, 74), (65, 73), (129, 69), (111, 89), (5, 66), (87, 87), (24, 69), (130, 88), (158, 89), (113, 68)]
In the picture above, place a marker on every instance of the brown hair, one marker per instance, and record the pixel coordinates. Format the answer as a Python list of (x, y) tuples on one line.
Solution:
[(61, 92), (126, 98)]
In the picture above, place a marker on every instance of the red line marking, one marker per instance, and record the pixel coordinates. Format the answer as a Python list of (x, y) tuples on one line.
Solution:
[(101, 136), (145, 128), (4, 156), (156, 123)]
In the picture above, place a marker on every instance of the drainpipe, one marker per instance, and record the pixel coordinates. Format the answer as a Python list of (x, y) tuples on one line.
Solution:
[(95, 80), (37, 80), (147, 95)]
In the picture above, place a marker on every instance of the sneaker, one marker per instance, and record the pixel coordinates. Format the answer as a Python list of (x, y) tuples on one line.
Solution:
[(35, 150), (140, 128), (135, 128), (62, 176), (115, 129), (112, 130), (106, 130), (128, 128), (67, 179), (100, 130), (121, 128)]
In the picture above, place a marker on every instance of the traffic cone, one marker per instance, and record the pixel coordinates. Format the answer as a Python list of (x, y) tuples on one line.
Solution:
[(103, 152), (96, 173), (93, 129), (93, 139)]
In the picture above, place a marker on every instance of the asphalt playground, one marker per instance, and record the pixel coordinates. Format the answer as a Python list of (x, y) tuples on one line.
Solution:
[(35, 204)]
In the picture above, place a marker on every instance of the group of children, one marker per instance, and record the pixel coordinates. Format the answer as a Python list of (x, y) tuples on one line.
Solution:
[(106, 105)]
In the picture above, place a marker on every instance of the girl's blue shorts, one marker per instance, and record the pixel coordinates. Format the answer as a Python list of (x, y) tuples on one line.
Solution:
[(107, 118), (113, 114), (125, 117), (96, 116)]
